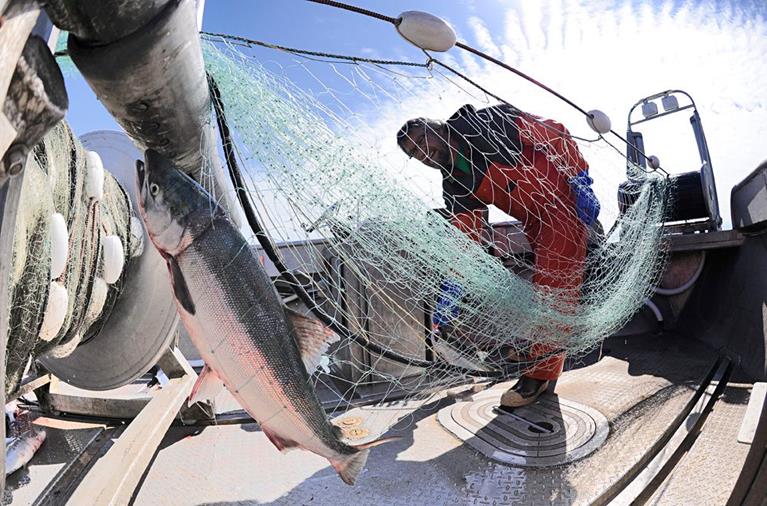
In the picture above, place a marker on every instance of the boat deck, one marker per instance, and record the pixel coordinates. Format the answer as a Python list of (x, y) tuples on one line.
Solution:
[(640, 386)]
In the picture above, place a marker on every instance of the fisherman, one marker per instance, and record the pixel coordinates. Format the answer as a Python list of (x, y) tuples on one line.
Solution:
[(531, 169)]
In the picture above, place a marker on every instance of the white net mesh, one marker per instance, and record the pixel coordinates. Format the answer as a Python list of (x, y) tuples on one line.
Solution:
[(353, 219)]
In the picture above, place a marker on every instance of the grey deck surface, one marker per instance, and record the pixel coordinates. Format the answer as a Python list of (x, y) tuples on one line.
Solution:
[(639, 386), (710, 469), (65, 441), (235, 464)]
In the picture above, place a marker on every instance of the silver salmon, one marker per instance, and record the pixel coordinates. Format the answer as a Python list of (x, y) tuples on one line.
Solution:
[(235, 318), (20, 450)]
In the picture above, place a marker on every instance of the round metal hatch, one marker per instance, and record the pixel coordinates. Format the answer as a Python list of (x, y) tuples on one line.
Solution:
[(550, 432)]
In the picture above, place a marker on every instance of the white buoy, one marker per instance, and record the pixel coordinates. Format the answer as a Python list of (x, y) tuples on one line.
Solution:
[(59, 245), (55, 311), (95, 307), (113, 257), (94, 175), (98, 299), (137, 237), (599, 121), (426, 31), (654, 162)]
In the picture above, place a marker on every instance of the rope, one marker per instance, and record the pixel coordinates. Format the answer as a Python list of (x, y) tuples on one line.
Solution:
[(305, 52), (358, 10), (466, 47), (521, 74), (357, 59), (491, 94)]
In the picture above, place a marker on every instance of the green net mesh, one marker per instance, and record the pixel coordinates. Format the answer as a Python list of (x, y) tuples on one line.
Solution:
[(365, 229), (54, 182), (29, 277), (351, 213)]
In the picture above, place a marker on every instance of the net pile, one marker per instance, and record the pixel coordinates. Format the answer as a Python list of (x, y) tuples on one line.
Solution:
[(356, 219), (55, 183)]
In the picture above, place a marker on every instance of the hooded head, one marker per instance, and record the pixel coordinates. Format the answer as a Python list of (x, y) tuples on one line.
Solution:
[(427, 141), (175, 208)]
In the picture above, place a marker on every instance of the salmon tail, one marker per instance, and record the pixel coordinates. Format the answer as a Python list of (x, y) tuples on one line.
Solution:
[(348, 468)]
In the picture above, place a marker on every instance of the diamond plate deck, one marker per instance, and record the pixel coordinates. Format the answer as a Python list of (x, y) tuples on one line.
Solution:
[(237, 465), (707, 473)]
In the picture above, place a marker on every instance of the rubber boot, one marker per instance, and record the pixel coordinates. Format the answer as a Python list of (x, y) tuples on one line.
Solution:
[(525, 391)]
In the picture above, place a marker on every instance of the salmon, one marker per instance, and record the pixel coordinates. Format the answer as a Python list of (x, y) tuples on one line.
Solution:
[(20, 450), (261, 353)]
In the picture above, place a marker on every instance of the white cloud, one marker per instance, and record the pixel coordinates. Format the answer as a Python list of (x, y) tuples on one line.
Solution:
[(484, 39), (607, 56), (602, 55)]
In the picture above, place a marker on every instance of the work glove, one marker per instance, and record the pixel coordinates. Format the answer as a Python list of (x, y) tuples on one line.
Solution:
[(447, 308), (586, 203)]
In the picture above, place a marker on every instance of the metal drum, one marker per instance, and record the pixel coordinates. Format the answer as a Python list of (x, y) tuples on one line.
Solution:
[(143, 322)]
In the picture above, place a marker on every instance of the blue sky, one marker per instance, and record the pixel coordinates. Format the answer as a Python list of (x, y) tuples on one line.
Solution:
[(601, 54), (301, 24)]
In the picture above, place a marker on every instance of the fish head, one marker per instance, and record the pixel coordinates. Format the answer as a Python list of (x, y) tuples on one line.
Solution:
[(174, 207)]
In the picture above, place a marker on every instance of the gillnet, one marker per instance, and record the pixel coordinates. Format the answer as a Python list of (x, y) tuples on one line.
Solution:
[(364, 230), (71, 214)]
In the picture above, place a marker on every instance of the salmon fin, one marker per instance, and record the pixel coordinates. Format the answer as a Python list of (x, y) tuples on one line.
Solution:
[(380, 441), (313, 338), (350, 467), (207, 386), (180, 290), (282, 444)]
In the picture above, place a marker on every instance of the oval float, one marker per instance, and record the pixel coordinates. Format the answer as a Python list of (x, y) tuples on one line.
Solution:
[(113, 257), (59, 245), (599, 121), (55, 311), (426, 31), (94, 175)]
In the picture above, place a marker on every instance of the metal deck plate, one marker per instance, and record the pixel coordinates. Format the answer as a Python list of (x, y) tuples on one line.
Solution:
[(708, 471), (550, 432), (640, 387), (64, 446)]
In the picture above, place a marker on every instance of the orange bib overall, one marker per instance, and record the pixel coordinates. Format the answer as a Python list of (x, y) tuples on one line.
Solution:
[(537, 191)]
